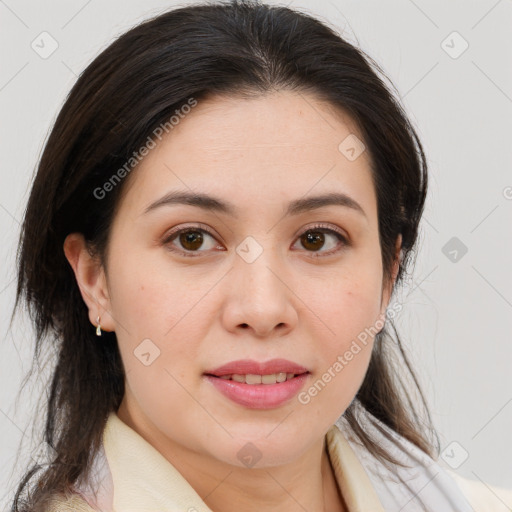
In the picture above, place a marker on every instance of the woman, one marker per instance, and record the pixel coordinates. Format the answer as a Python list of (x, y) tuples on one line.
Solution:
[(227, 200)]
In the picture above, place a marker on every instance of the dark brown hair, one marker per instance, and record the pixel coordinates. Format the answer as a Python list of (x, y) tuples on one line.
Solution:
[(240, 47)]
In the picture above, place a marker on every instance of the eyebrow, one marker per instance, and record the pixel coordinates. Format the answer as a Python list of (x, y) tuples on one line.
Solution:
[(211, 203)]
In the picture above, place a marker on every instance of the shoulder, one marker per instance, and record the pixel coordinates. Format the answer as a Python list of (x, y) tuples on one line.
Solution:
[(445, 489), (482, 496), (68, 503)]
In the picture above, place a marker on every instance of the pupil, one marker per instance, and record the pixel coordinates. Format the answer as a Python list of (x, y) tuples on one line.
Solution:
[(193, 238), (314, 238)]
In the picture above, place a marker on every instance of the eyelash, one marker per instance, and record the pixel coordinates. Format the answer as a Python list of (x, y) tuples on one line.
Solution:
[(316, 228)]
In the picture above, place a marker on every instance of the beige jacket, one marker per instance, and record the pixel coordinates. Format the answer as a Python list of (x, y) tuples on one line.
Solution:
[(135, 477)]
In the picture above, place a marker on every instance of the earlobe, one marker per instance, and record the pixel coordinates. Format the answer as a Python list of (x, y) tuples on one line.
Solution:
[(398, 257), (387, 292), (90, 278)]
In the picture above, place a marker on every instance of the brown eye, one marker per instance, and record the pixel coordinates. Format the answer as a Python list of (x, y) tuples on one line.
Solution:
[(191, 240), (313, 240), (316, 238)]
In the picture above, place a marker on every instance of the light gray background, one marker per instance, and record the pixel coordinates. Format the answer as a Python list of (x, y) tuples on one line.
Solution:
[(456, 320)]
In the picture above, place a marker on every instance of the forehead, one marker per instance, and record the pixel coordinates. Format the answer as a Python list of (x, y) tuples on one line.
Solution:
[(272, 121), (270, 148)]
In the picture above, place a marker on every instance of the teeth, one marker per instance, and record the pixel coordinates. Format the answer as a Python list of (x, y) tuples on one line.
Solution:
[(259, 379)]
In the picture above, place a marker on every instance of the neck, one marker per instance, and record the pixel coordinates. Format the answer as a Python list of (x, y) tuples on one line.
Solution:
[(307, 483)]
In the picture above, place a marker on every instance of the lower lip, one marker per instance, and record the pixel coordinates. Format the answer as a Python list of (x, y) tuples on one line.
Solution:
[(259, 396)]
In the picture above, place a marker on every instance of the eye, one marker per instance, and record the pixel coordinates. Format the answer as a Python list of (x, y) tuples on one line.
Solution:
[(191, 239), (314, 238)]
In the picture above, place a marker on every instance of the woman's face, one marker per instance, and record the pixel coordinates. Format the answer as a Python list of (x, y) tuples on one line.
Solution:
[(265, 278)]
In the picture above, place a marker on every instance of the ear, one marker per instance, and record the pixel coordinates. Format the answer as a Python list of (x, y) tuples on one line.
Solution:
[(388, 289), (91, 279)]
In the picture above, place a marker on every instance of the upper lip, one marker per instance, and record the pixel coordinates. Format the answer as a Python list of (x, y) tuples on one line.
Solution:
[(248, 366)]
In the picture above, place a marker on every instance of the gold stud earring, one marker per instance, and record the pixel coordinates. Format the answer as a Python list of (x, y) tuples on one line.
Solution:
[(98, 327)]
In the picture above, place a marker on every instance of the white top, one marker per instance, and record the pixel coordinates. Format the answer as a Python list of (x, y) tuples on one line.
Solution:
[(130, 475)]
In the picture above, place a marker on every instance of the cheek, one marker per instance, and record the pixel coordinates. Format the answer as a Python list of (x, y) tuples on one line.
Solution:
[(159, 318), (345, 352), (146, 295), (349, 307), (349, 310)]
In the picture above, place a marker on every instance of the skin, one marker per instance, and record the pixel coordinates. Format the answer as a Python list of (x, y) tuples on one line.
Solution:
[(204, 311)]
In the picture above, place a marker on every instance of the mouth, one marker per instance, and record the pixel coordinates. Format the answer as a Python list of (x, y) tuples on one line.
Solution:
[(255, 379), (259, 391), (259, 385)]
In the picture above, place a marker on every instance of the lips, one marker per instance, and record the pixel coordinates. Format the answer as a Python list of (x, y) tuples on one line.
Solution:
[(259, 396), (248, 366)]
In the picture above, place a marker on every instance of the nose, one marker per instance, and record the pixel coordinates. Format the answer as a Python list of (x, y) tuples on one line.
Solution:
[(259, 297)]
